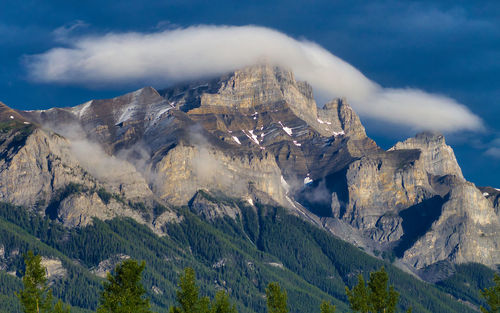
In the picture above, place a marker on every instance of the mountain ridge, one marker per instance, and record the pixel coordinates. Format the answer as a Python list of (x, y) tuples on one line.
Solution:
[(255, 134)]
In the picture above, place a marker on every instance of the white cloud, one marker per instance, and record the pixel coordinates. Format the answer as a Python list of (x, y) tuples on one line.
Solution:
[(492, 149), (174, 55), (62, 34), (493, 152)]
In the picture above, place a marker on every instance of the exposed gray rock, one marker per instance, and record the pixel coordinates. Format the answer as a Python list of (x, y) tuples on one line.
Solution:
[(211, 208), (468, 230), (342, 118), (79, 209), (254, 134), (493, 195), (165, 218), (108, 265), (42, 164), (437, 157), (54, 268), (185, 170)]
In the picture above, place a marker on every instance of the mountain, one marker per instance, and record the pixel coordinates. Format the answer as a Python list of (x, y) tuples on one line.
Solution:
[(223, 154)]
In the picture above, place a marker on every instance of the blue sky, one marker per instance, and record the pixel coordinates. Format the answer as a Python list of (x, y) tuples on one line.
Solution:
[(450, 48)]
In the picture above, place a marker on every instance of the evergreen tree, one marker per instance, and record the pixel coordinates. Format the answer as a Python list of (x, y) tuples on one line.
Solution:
[(358, 296), (188, 295), (222, 304), (326, 307), (36, 296), (381, 299), (276, 299), (123, 291), (377, 298), (492, 296), (61, 308)]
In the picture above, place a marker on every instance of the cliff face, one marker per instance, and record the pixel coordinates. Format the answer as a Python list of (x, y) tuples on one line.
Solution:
[(382, 185), (69, 180), (468, 230), (255, 134), (437, 158), (185, 170)]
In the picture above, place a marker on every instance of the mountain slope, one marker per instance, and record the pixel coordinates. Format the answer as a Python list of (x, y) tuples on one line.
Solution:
[(256, 135), (240, 255)]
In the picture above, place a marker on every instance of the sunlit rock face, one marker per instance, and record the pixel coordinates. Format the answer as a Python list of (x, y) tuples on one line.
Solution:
[(257, 135)]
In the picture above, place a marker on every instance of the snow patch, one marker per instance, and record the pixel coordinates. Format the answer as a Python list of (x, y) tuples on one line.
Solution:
[(485, 194), (250, 201), (296, 143), (320, 121), (160, 113), (497, 189), (127, 112), (83, 108), (11, 117), (291, 202), (26, 123), (284, 184), (199, 86), (236, 139), (335, 134), (288, 130), (252, 136), (130, 109), (307, 180)]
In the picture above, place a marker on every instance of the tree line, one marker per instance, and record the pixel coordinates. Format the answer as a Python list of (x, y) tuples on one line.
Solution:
[(124, 293)]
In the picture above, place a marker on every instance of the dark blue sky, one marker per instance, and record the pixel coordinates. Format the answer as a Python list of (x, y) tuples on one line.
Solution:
[(450, 48)]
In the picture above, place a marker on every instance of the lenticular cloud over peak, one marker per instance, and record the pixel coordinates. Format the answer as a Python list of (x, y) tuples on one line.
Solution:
[(171, 56)]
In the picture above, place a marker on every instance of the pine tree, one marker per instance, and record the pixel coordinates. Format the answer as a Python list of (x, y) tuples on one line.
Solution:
[(326, 307), (222, 304), (492, 296), (61, 308), (276, 299), (377, 298), (123, 291), (381, 299), (188, 295), (358, 296), (36, 296)]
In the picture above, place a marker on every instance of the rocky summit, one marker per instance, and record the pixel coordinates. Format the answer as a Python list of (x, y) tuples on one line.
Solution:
[(256, 135)]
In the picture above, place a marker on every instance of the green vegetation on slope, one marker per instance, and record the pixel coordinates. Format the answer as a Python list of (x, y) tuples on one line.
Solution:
[(266, 244)]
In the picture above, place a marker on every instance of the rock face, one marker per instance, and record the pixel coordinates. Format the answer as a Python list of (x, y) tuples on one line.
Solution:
[(437, 157), (255, 134), (108, 265), (211, 208), (54, 267), (185, 170), (42, 170), (468, 230)]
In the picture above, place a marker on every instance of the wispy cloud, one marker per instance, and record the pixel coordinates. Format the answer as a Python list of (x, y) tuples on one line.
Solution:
[(493, 152), (493, 148), (170, 56), (64, 33)]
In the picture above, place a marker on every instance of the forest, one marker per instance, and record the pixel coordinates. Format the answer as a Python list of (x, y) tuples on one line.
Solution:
[(241, 256)]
